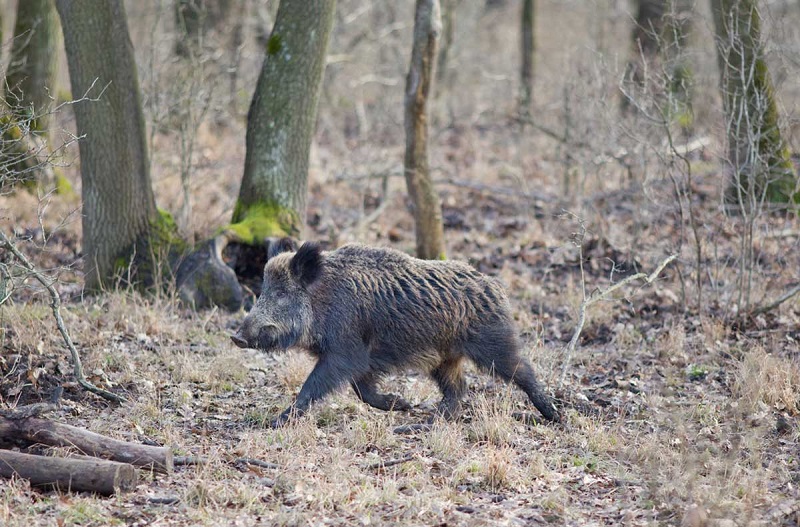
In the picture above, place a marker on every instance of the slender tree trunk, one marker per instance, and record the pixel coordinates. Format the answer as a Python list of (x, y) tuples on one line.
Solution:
[(235, 50), (195, 19), (647, 42), (528, 48), (33, 65), (647, 35), (280, 123), (118, 203), (448, 30), (758, 155), (427, 209), (677, 27)]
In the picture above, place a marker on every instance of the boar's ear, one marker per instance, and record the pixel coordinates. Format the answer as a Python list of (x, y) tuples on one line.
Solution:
[(306, 264), (278, 246)]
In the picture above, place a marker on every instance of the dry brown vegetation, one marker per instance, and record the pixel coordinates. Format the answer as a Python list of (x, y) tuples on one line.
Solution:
[(680, 408)]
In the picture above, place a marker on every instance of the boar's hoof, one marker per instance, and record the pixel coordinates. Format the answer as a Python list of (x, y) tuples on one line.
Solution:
[(398, 404), (279, 422)]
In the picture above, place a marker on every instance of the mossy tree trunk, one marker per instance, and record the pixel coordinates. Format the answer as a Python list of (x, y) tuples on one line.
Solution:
[(33, 65), (280, 123), (427, 208), (118, 203), (758, 156), (528, 47)]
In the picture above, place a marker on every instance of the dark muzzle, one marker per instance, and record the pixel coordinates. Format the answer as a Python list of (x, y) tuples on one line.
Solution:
[(239, 341)]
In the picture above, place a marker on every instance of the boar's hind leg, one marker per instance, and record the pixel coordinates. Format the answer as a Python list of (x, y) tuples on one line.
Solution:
[(499, 353), (366, 391), (450, 378)]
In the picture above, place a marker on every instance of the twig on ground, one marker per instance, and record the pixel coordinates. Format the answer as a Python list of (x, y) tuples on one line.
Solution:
[(391, 462), (417, 427), (256, 462), (472, 185), (30, 410), (55, 306), (189, 460), (600, 295), (778, 301), (164, 500)]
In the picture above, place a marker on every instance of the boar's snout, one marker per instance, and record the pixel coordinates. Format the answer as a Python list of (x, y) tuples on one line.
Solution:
[(239, 341)]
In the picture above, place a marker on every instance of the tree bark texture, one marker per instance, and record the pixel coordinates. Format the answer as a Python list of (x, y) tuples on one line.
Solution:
[(69, 474), (758, 156), (647, 42), (33, 66), (677, 27), (282, 115), (528, 45), (448, 8), (427, 208), (36, 430), (118, 202)]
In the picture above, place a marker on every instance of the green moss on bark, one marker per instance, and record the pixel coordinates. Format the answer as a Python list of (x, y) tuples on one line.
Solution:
[(164, 233), (154, 253), (63, 186), (274, 44), (254, 223)]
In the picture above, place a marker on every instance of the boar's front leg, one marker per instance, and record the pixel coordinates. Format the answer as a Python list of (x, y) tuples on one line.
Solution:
[(329, 374)]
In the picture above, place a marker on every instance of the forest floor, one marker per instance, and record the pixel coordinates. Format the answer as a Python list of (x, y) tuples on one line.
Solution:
[(673, 415)]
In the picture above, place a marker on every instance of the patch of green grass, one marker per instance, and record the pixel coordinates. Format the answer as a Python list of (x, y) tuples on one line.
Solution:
[(697, 372), (85, 513)]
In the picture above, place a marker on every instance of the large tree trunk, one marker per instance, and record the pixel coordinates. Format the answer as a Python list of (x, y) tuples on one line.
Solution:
[(427, 209), (758, 156), (528, 47), (280, 124), (34, 62), (118, 204)]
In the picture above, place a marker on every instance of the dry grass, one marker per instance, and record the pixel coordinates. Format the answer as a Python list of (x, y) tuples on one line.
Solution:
[(198, 396), (664, 408), (765, 381)]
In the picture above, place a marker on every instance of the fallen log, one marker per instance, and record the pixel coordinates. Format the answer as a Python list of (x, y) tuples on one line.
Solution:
[(69, 474), (36, 430)]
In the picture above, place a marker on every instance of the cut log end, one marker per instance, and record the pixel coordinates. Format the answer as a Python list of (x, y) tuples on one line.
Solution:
[(69, 474)]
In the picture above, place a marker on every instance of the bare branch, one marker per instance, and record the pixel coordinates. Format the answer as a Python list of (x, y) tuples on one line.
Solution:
[(55, 305), (600, 295), (778, 301)]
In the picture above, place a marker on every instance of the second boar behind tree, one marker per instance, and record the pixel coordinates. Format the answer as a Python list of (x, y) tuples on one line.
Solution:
[(364, 312)]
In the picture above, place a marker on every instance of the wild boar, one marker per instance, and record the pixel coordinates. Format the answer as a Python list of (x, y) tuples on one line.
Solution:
[(364, 312)]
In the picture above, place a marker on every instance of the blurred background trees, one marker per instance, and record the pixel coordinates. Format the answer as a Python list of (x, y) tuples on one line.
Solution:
[(33, 64), (225, 121)]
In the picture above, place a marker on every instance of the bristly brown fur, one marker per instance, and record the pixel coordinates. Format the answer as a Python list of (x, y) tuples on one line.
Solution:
[(364, 312)]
